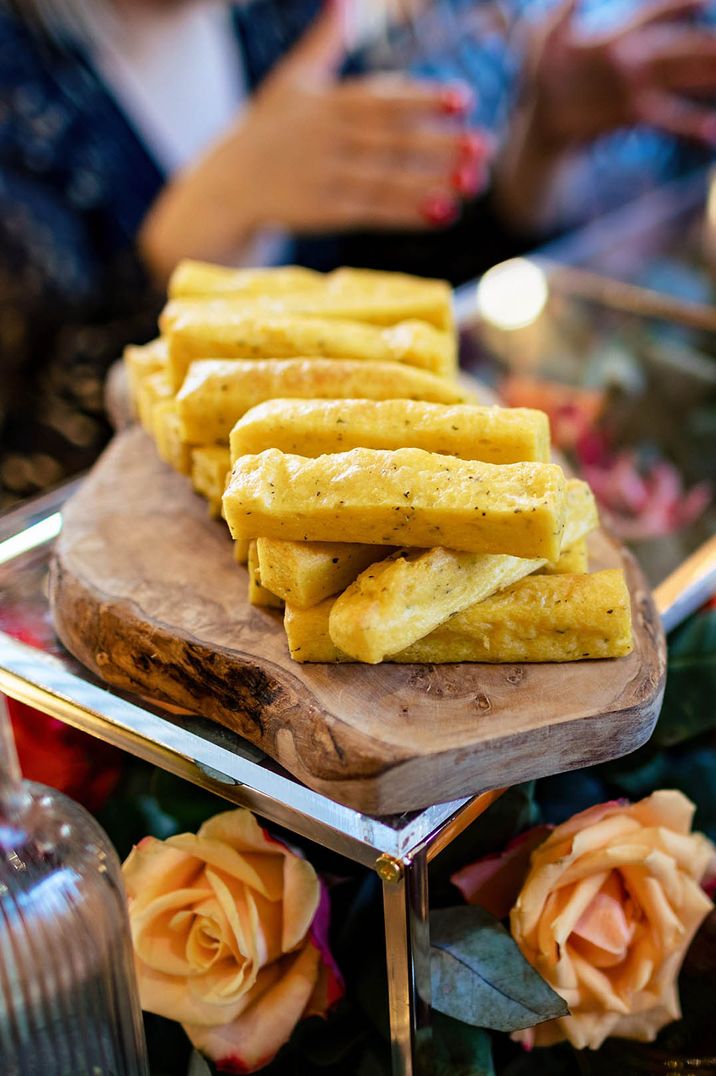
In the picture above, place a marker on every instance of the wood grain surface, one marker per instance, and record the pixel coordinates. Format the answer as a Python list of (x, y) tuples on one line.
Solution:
[(146, 593)]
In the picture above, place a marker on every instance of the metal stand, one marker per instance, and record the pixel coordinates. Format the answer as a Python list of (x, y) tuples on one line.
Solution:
[(407, 947)]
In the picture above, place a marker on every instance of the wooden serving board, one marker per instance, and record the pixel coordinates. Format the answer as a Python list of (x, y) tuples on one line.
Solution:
[(146, 593)]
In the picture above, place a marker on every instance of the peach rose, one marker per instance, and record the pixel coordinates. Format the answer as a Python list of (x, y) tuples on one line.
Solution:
[(227, 927), (607, 911)]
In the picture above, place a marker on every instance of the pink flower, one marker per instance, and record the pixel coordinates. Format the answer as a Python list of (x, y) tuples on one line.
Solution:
[(494, 881), (229, 929), (641, 500), (607, 913)]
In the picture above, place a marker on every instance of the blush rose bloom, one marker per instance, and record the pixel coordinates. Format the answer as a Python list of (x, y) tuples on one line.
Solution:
[(229, 930), (607, 911)]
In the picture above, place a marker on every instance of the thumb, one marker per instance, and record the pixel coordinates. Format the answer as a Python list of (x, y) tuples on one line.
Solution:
[(320, 52), (563, 15)]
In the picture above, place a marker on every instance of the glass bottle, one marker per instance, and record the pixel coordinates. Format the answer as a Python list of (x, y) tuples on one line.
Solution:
[(68, 994)]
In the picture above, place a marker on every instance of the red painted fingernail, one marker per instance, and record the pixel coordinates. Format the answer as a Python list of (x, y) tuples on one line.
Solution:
[(456, 100), (468, 178), (439, 209), (472, 146)]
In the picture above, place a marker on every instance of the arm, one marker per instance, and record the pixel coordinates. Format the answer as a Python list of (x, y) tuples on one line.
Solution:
[(651, 71), (313, 154)]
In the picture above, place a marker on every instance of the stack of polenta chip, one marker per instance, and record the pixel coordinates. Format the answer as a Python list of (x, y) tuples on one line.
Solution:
[(395, 517)]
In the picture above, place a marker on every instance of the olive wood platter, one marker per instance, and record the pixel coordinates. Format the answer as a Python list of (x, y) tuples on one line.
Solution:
[(146, 593)]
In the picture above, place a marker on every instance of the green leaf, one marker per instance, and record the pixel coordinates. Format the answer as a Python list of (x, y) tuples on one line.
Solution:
[(461, 1050), (480, 976), (691, 681)]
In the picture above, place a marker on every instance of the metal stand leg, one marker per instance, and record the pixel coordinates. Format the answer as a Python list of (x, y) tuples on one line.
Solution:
[(407, 944)]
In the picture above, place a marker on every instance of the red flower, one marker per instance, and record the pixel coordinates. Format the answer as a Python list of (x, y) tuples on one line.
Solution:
[(57, 755)]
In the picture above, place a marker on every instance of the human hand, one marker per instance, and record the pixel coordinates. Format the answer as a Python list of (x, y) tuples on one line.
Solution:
[(651, 69), (312, 154)]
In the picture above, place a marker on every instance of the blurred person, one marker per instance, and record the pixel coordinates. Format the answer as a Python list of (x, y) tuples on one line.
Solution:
[(655, 68), (134, 133), (590, 104)]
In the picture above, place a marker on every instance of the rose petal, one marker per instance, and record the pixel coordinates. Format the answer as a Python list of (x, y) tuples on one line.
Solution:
[(644, 1026), (604, 925), (254, 1038), (495, 881), (301, 894), (604, 833), (156, 942), (169, 996), (263, 874), (582, 820), (152, 868), (242, 920), (525, 916), (579, 899), (667, 808), (596, 983), (329, 986), (239, 830), (604, 859)]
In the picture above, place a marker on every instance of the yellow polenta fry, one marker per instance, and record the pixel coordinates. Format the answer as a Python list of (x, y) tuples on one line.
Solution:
[(210, 468), (432, 298), (258, 594), (408, 497), (305, 573), (193, 279), (307, 633), (541, 618), (574, 560), (217, 393), (142, 360), (165, 428), (241, 550), (316, 427), (400, 600), (220, 329), (356, 294), (384, 308), (150, 390)]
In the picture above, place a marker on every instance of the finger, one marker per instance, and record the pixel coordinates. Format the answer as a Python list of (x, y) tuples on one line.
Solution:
[(420, 146), (562, 17), (319, 53), (662, 11), (677, 116), (401, 197), (394, 99), (379, 216), (687, 63)]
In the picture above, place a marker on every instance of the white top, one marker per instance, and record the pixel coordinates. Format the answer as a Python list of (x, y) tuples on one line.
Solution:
[(176, 71)]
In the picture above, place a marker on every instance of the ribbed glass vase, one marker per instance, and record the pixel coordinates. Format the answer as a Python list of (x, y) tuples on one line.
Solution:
[(68, 996)]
